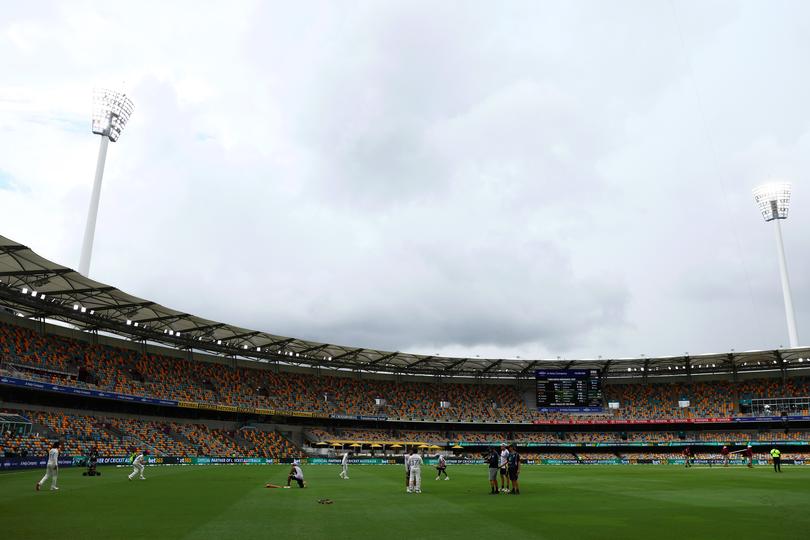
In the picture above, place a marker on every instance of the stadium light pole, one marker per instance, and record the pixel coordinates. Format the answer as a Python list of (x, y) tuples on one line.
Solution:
[(773, 200), (111, 111)]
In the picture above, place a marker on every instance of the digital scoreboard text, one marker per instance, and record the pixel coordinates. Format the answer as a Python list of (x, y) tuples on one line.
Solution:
[(569, 390)]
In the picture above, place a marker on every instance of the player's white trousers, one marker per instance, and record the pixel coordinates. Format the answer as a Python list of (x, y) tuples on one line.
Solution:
[(136, 470), (51, 471), (416, 479), (345, 472)]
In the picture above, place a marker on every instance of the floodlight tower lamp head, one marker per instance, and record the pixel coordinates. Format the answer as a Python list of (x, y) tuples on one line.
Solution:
[(111, 112), (773, 200)]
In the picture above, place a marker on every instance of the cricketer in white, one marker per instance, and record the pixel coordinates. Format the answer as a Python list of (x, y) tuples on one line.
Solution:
[(137, 467), (345, 464), (51, 468), (415, 467)]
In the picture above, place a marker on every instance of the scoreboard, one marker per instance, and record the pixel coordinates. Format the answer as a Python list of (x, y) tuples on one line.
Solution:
[(569, 390)]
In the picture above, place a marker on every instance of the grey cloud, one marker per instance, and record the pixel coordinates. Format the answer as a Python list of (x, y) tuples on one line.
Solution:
[(536, 179)]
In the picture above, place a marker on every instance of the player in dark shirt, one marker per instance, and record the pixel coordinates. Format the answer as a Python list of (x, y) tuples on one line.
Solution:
[(407, 470), (514, 469), (92, 462), (687, 454), (725, 452), (492, 461), (441, 467), (747, 453)]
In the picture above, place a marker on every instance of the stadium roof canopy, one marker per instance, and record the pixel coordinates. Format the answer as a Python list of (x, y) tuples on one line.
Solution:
[(34, 287)]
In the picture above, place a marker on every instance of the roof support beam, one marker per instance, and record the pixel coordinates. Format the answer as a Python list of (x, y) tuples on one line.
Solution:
[(243, 336), (280, 343), (420, 361), (382, 358), (492, 366), (161, 319), (313, 349), (456, 363), (12, 249), (124, 306), (205, 330), (81, 291), (42, 272), (528, 368), (355, 352)]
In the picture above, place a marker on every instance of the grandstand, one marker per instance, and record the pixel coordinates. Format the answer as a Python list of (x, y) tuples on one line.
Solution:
[(62, 360), (120, 435), (97, 368)]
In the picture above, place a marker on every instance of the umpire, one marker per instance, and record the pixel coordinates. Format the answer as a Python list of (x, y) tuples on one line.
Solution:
[(493, 460), (777, 460)]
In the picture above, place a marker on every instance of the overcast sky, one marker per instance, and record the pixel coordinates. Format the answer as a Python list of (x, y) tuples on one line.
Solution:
[(531, 178)]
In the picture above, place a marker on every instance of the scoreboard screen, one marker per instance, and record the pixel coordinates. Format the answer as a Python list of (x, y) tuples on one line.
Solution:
[(569, 390)]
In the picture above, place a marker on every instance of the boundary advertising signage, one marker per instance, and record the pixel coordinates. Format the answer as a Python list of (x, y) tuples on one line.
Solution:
[(79, 461), (726, 419), (357, 417), (356, 461), (29, 462)]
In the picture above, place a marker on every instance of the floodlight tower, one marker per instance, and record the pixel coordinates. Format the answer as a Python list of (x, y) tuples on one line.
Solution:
[(111, 110), (773, 200)]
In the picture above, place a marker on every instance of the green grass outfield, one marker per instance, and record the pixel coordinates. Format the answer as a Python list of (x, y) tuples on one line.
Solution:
[(591, 501)]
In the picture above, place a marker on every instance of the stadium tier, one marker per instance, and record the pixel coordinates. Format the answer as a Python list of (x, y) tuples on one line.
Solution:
[(473, 438), (117, 436), (28, 355), (121, 436)]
